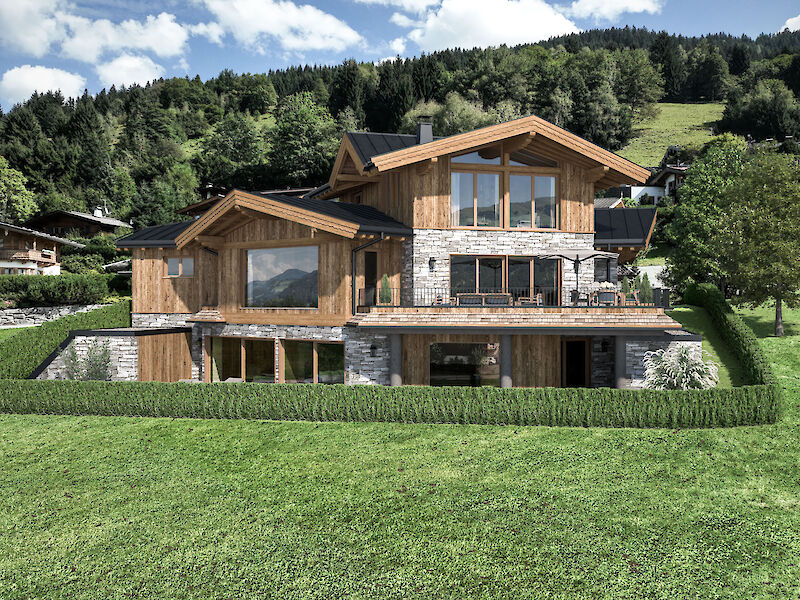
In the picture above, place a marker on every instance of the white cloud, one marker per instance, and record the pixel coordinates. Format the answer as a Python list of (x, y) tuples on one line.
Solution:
[(398, 45), (129, 69), (19, 83), (610, 10), (412, 6), (89, 40), (30, 26), (213, 32), (470, 23), (261, 24), (792, 24), (402, 20)]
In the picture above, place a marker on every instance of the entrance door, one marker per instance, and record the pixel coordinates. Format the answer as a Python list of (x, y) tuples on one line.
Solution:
[(575, 360), (370, 277)]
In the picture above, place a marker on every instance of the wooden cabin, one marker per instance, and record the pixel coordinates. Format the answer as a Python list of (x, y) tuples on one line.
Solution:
[(24, 251), (466, 260)]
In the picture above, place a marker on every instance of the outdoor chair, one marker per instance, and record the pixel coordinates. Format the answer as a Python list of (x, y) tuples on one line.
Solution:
[(576, 298), (470, 299), (497, 299), (536, 300), (606, 298)]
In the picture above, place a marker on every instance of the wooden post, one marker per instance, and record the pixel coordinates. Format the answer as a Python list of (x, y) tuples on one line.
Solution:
[(619, 361), (506, 361), (396, 359), (315, 362)]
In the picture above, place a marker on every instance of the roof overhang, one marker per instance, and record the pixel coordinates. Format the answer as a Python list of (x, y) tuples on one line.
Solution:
[(646, 332)]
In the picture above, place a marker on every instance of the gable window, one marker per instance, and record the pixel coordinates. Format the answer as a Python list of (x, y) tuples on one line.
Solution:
[(180, 266), (283, 277), (512, 190)]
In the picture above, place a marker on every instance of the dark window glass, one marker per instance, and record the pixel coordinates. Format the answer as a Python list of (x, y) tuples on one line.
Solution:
[(545, 280), (462, 198), (519, 277), (259, 362), (465, 364), (298, 362), (486, 156), (283, 277), (187, 267), (545, 202), (462, 275), (520, 204), (488, 200), (226, 358), (330, 361), (490, 275), (173, 267)]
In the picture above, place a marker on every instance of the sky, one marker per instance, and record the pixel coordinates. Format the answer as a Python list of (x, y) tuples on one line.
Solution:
[(74, 45)]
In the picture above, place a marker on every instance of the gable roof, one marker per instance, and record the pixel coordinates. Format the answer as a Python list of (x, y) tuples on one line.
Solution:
[(45, 236), (368, 144), (104, 220), (614, 202), (346, 220), (629, 227), (157, 236)]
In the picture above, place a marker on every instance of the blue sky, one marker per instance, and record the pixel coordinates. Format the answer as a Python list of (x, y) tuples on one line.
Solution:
[(76, 44)]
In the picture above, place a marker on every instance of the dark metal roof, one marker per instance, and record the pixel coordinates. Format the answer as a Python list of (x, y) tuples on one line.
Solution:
[(157, 236), (368, 144), (39, 234), (607, 202), (104, 220), (368, 219), (623, 226)]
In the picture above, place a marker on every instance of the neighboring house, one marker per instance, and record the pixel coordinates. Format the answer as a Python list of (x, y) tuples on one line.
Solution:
[(24, 251), (638, 194), (669, 178), (466, 260), (70, 222), (613, 202)]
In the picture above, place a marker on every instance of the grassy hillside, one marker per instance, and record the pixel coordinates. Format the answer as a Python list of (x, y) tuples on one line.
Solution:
[(675, 124), (99, 507)]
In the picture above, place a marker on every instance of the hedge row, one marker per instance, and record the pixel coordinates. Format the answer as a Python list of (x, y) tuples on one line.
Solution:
[(491, 406), (734, 331), (24, 351), (56, 290)]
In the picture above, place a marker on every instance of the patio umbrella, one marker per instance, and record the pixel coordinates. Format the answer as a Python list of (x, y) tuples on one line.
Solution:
[(576, 257)]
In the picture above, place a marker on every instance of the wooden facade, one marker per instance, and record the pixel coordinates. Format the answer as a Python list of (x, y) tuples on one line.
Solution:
[(165, 357)]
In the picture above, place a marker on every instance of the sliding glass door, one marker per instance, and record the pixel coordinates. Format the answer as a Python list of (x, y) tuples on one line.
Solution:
[(520, 276)]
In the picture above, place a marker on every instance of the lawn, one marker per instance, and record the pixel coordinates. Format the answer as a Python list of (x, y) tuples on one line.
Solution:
[(656, 257), (10, 332), (97, 507), (696, 320), (674, 125)]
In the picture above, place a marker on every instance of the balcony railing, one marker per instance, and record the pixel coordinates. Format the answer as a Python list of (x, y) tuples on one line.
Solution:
[(500, 298), (23, 254)]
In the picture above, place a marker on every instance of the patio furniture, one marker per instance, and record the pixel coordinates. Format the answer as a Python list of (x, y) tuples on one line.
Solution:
[(470, 299), (535, 300), (442, 300), (606, 298), (577, 299), (497, 299)]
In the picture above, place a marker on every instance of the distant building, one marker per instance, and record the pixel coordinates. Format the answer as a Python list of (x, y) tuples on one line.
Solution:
[(641, 194), (71, 222), (24, 251)]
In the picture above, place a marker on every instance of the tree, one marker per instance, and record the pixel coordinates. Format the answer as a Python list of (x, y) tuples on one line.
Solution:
[(304, 142), (16, 203), (768, 111), (638, 83), (740, 59), (670, 58), (759, 237), (232, 153), (707, 73), (695, 255)]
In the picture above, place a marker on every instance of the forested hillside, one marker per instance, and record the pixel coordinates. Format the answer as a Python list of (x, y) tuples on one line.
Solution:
[(145, 151)]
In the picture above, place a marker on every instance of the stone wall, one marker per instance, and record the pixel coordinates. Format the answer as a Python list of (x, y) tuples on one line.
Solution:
[(36, 315), (441, 243), (636, 348), (158, 320), (603, 374), (124, 356)]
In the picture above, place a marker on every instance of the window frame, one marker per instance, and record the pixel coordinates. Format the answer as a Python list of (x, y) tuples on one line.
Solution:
[(506, 260), (505, 170), (243, 254), (180, 260)]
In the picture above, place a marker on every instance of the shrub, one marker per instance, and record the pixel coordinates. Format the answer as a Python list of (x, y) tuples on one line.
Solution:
[(54, 290), (23, 352), (82, 263), (96, 366), (677, 368), (411, 404), (385, 296)]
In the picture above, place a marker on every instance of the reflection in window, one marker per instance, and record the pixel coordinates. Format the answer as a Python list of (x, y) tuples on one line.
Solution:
[(465, 364), (283, 277), (545, 280), (259, 362), (298, 363), (461, 200), (490, 275), (187, 267), (519, 193), (486, 156), (173, 267), (545, 202), (330, 360), (462, 275), (226, 358), (488, 200), (519, 277)]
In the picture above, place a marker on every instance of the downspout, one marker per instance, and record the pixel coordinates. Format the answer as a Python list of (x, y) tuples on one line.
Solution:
[(353, 264)]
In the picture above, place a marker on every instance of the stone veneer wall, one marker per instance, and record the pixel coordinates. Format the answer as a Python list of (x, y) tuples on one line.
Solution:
[(441, 243), (36, 315), (124, 357), (635, 350), (150, 320), (603, 363)]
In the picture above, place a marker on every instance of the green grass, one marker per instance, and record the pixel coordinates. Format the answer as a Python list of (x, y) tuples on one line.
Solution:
[(697, 320), (11, 332), (106, 507), (656, 257), (675, 124)]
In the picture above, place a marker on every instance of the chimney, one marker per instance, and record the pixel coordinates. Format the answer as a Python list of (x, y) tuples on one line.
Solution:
[(424, 130), (98, 212)]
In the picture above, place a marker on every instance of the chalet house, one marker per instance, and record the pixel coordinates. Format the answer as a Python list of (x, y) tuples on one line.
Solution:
[(71, 222), (24, 251), (475, 259)]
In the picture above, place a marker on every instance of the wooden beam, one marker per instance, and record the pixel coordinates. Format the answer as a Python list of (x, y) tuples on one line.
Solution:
[(518, 143), (426, 166), (596, 174), (212, 241), (346, 177)]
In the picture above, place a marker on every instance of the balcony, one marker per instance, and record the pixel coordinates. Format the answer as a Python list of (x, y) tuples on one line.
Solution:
[(39, 256)]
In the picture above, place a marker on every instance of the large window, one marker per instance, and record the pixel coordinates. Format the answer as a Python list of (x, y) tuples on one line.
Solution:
[(490, 188), (519, 276), (465, 364), (313, 362), (283, 277)]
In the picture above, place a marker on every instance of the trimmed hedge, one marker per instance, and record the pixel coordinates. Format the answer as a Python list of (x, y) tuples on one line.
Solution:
[(491, 406), (734, 331), (23, 352), (54, 290)]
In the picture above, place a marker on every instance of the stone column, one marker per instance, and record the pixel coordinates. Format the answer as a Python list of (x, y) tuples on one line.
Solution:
[(396, 359), (619, 361), (505, 361)]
